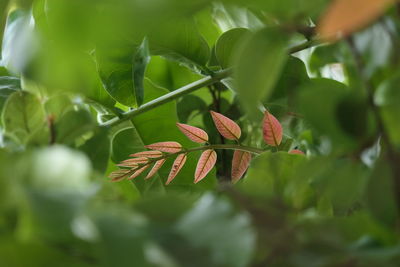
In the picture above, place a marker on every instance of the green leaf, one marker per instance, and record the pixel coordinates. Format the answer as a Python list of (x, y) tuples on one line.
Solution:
[(180, 41), (278, 175), (229, 239), (97, 149), (188, 105), (380, 194), (258, 66), (23, 115), (72, 125), (319, 101), (386, 97), (227, 44), (140, 61), (116, 70)]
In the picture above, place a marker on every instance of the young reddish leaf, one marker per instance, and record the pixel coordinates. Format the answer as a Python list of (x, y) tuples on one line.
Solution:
[(176, 167), (138, 172), (155, 168), (240, 163), (272, 130), (147, 154), (296, 151), (193, 133), (344, 17), (206, 163), (168, 147), (118, 175), (130, 163), (226, 127)]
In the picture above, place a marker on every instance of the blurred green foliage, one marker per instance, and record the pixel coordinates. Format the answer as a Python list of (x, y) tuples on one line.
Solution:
[(68, 66)]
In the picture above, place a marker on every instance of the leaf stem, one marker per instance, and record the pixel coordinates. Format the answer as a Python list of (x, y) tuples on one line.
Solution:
[(204, 82)]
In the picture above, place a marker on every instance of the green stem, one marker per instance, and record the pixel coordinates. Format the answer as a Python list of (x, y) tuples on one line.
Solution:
[(209, 80)]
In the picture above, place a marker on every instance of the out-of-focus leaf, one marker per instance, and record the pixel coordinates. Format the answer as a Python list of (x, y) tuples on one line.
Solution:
[(259, 63), (341, 20), (72, 125), (23, 115), (229, 17), (18, 42), (380, 194), (227, 44), (386, 97), (56, 184), (281, 175), (230, 239), (318, 102)]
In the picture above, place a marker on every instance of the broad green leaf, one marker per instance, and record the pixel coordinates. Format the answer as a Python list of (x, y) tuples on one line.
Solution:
[(23, 115), (319, 102), (159, 125), (227, 44), (72, 125), (140, 61), (97, 149), (117, 69), (294, 74), (258, 66), (280, 175), (180, 41), (188, 105), (380, 194)]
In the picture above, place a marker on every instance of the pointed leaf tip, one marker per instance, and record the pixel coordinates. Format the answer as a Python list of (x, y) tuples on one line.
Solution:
[(296, 151), (272, 130), (240, 163), (225, 126), (168, 147), (206, 163), (193, 133), (155, 168), (176, 167)]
